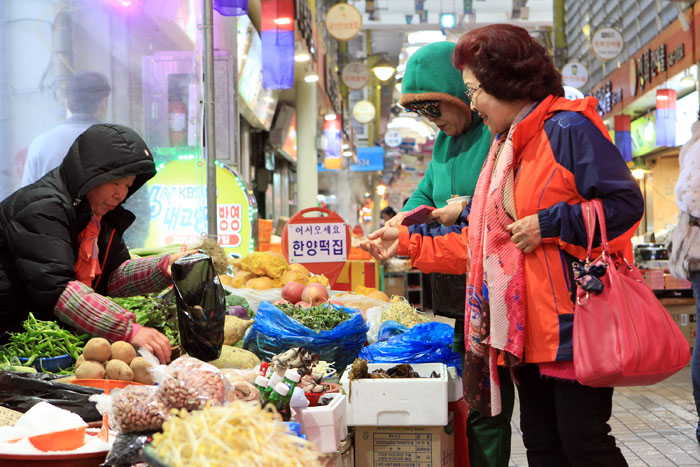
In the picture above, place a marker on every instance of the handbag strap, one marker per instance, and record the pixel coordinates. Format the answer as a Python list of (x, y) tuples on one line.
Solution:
[(593, 210)]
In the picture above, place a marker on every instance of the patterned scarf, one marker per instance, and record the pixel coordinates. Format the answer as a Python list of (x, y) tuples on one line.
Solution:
[(87, 265), (496, 301)]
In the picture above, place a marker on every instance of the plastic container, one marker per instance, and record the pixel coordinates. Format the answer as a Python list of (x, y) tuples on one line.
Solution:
[(51, 364), (328, 388), (325, 426), (398, 401), (88, 459), (455, 390), (66, 440)]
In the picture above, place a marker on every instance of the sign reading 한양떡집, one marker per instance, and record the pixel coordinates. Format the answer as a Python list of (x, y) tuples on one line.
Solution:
[(317, 243)]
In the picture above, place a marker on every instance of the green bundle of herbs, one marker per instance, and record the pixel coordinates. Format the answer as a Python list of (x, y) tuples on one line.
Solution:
[(323, 317), (154, 311)]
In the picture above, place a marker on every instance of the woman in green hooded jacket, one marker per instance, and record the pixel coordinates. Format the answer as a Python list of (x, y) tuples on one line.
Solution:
[(433, 88)]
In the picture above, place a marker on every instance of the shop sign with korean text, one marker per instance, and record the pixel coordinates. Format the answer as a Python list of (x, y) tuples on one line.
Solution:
[(355, 75), (177, 208), (343, 21), (574, 74), (319, 239), (607, 43), (317, 243), (364, 112)]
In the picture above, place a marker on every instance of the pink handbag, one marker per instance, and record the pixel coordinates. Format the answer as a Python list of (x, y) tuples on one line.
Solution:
[(622, 336)]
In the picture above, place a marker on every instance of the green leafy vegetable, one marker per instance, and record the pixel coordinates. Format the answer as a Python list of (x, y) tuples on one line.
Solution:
[(322, 317), (41, 339), (158, 312)]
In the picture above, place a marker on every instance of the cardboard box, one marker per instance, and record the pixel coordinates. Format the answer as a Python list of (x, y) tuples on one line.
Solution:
[(344, 457), (422, 446)]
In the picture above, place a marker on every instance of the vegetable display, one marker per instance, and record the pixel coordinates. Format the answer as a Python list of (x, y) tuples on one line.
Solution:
[(322, 317), (239, 435), (402, 312), (41, 339), (153, 312), (118, 360)]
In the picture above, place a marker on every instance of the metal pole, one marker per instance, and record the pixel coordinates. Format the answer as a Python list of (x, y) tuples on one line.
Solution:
[(560, 52), (237, 140), (209, 145)]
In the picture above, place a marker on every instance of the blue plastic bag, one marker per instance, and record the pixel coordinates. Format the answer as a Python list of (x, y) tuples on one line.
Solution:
[(423, 343), (273, 332), (389, 329)]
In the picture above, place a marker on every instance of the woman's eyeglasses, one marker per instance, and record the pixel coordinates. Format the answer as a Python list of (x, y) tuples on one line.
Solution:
[(430, 109), (470, 91)]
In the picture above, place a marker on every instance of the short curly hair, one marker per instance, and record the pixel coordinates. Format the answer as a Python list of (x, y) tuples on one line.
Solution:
[(508, 62)]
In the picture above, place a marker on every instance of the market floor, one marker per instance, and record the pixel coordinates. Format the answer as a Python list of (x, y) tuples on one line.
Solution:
[(654, 426)]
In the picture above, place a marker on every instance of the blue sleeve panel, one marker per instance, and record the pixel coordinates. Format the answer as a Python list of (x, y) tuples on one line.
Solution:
[(599, 171)]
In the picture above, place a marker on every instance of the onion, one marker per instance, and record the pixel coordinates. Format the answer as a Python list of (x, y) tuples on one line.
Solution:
[(292, 291), (238, 311), (315, 294)]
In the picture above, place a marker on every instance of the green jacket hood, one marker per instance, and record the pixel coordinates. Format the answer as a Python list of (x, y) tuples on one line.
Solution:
[(430, 75)]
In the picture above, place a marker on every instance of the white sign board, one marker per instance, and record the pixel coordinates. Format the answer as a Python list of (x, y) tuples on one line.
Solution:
[(364, 112), (393, 138), (355, 75), (343, 21), (317, 243), (574, 74), (607, 43)]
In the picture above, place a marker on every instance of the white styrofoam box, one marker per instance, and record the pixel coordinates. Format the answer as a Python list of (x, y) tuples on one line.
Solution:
[(326, 425), (455, 389), (398, 401)]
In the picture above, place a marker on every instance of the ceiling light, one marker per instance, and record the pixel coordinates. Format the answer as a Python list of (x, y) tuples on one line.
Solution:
[(383, 70), (302, 57), (347, 153), (346, 146), (285, 21), (311, 78), (381, 190), (448, 20), (329, 117)]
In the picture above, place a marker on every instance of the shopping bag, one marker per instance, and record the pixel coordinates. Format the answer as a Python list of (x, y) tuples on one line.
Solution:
[(623, 336), (201, 306), (274, 332), (423, 343)]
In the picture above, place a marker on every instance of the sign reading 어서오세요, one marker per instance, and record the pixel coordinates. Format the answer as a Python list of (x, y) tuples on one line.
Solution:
[(317, 243)]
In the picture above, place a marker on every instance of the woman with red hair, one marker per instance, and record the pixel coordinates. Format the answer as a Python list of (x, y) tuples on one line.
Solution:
[(525, 233)]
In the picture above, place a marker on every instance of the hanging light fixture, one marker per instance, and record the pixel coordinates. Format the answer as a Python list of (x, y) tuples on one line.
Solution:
[(383, 70), (311, 78)]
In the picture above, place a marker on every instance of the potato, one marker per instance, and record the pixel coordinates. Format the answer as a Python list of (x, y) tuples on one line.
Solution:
[(117, 369), (97, 349), (260, 283), (123, 351), (237, 358), (235, 328), (140, 366), (79, 361), (90, 369)]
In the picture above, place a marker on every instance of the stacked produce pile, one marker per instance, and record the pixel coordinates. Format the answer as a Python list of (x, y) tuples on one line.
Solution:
[(264, 270), (237, 435), (39, 339), (118, 360)]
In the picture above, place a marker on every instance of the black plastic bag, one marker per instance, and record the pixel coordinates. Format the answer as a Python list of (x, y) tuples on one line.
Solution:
[(22, 391), (127, 449), (201, 306)]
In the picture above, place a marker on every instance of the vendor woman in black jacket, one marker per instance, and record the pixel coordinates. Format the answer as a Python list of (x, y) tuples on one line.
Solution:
[(61, 242)]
